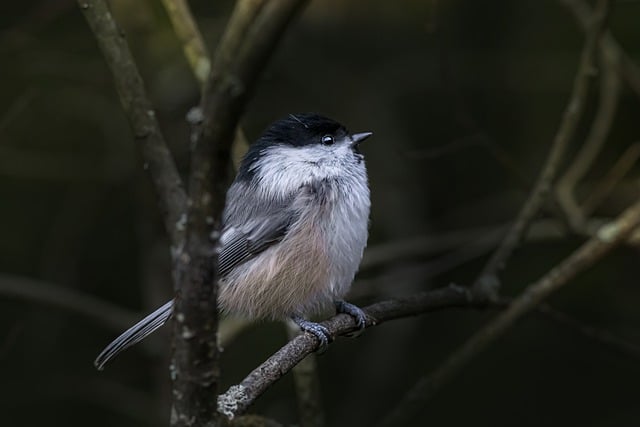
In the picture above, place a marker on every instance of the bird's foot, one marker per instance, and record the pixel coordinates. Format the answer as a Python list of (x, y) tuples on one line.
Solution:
[(352, 310), (316, 329)]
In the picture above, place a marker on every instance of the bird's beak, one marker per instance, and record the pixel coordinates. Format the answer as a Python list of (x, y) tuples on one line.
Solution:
[(359, 137)]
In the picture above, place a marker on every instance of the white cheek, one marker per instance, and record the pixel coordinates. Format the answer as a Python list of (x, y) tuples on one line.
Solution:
[(283, 170)]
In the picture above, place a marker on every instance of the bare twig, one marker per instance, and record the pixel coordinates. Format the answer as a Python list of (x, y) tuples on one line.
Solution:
[(195, 51), (628, 70), (598, 335), (607, 238), (38, 291), (488, 281), (604, 187), (609, 96), (189, 35), (239, 397), (157, 157), (251, 35), (307, 383)]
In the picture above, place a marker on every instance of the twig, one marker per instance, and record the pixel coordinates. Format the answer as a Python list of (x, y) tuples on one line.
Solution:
[(598, 335), (607, 238), (157, 157), (239, 397), (38, 291), (195, 51), (604, 187), (307, 384), (609, 96), (189, 35), (250, 38), (488, 281), (628, 70)]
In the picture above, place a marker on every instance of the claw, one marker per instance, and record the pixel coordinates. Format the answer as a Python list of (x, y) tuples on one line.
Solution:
[(320, 332), (352, 310)]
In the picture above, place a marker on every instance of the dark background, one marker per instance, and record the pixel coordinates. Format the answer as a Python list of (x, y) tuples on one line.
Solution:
[(444, 86)]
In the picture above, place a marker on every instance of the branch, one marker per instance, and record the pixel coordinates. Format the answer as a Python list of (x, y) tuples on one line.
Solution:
[(488, 281), (189, 35), (146, 130), (609, 97), (33, 290), (605, 186), (627, 69), (250, 38), (598, 335), (607, 238), (239, 397)]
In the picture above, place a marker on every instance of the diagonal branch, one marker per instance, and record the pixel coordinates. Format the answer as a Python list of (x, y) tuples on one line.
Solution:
[(606, 239), (566, 187), (627, 69), (69, 300), (146, 130), (250, 38), (189, 34), (488, 281), (239, 397)]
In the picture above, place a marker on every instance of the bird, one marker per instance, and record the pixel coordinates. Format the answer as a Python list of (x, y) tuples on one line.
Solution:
[(294, 228)]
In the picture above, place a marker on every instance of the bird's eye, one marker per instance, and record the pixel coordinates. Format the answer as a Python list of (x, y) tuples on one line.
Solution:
[(327, 140)]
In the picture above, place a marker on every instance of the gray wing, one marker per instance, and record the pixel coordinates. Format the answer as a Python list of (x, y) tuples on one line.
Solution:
[(251, 226)]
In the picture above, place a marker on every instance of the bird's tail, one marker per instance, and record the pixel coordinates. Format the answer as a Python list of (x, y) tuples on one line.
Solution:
[(134, 334)]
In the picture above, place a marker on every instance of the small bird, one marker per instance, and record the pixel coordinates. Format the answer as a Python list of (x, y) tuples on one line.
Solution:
[(294, 228)]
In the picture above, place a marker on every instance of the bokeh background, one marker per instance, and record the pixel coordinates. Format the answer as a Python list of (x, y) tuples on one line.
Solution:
[(463, 98)]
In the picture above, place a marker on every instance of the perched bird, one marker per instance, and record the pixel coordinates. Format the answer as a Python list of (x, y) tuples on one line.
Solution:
[(295, 225)]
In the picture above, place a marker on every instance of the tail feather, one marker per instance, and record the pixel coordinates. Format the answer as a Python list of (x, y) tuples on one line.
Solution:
[(134, 334)]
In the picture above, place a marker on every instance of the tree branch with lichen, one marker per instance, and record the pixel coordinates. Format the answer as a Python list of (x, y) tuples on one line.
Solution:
[(249, 40)]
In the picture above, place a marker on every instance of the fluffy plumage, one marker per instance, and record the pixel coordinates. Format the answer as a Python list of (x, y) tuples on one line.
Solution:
[(294, 227)]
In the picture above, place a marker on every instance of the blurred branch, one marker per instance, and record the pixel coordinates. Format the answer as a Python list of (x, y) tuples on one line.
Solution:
[(603, 188), (195, 51), (250, 38), (17, 107), (307, 384), (628, 69), (146, 130), (189, 35), (598, 335), (607, 238), (488, 281), (609, 97), (32, 290), (239, 397)]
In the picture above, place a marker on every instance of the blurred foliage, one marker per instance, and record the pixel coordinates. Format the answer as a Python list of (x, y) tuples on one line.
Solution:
[(444, 86)]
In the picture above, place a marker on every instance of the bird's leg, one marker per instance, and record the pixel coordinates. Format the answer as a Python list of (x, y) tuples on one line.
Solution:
[(320, 332), (352, 310)]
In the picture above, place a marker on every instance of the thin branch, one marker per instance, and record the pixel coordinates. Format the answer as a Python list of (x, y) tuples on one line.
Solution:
[(609, 97), (628, 69), (68, 300), (142, 119), (618, 171), (253, 31), (488, 281), (195, 51), (189, 35), (598, 335), (239, 397), (588, 254)]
